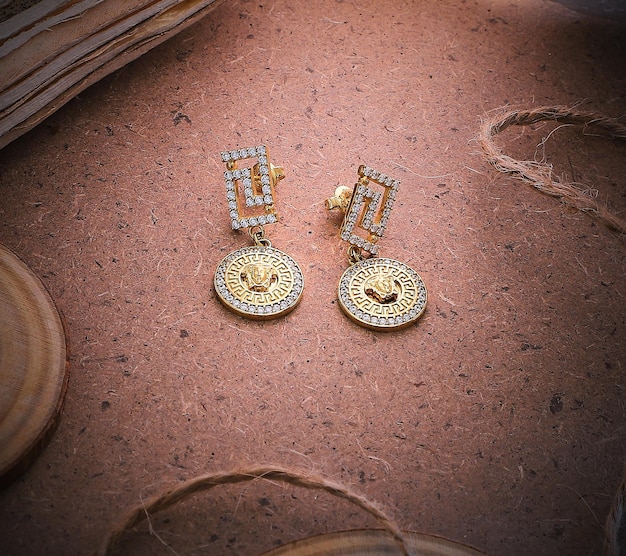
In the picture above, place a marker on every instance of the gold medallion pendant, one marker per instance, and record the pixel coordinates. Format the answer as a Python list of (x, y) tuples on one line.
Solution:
[(258, 282), (382, 294), (375, 292)]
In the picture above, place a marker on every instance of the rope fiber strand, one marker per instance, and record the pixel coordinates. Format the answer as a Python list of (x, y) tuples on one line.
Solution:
[(538, 174), (206, 482)]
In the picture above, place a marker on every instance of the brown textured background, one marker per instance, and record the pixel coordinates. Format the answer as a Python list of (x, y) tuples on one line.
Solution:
[(498, 421)]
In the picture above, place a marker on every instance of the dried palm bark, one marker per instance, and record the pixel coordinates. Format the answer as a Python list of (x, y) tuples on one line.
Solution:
[(53, 49)]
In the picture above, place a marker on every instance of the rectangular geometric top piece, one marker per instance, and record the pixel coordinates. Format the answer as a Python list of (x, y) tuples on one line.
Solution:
[(369, 209), (249, 190)]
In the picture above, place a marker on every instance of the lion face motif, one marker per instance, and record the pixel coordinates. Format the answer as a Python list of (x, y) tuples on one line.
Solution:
[(259, 277), (383, 288)]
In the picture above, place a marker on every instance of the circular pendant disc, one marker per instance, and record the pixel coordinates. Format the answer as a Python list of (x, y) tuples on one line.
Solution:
[(382, 294), (259, 282)]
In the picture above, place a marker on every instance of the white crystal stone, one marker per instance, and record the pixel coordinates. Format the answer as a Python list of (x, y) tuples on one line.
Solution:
[(261, 149), (225, 156)]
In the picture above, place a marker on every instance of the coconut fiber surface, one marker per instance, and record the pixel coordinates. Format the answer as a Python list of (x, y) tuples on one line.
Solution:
[(498, 421)]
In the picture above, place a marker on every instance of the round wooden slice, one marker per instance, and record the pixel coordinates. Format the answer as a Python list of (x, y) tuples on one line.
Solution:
[(33, 366), (372, 542)]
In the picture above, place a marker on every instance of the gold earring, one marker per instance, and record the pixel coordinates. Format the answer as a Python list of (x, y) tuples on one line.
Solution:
[(258, 282), (376, 292)]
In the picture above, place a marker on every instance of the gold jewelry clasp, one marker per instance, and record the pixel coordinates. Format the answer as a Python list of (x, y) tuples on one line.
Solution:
[(341, 199), (276, 174)]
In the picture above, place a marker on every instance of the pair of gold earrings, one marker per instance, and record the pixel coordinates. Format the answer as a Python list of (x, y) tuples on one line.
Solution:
[(262, 282)]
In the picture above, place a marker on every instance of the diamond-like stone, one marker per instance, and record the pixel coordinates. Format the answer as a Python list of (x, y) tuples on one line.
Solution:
[(243, 153), (249, 202), (268, 199), (252, 221), (266, 189), (234, 155), (237, 174), (251, 151), (235, 224), (262, 160), (244, 223), (265, 180), (225, 156), (263, 169), (262, 219), (261, 149), (228, 175)]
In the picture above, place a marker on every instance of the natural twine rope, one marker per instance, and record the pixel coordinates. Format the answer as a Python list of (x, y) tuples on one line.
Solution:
[(540, 175), (206, 482)]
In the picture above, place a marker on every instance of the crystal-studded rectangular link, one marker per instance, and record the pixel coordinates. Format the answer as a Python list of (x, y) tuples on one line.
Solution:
[(249, 190), (369, 209)]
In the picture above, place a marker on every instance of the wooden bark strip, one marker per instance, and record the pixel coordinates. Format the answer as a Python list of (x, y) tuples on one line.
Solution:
[(33, 366), (80, 51), (25, 70), (41, 17), (372, 542)]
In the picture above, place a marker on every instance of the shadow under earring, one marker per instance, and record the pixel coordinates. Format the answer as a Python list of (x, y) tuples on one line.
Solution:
[(375, 292), (257, 282)]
